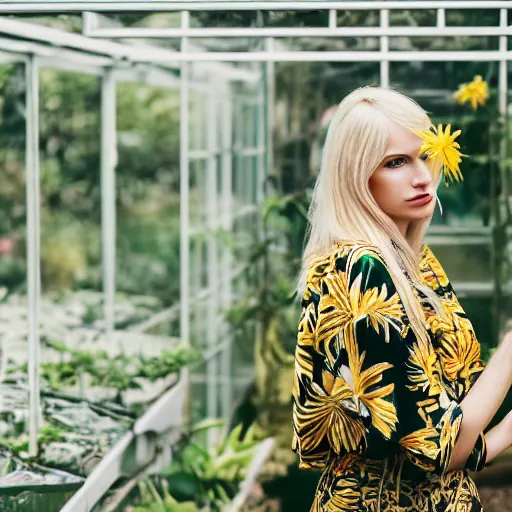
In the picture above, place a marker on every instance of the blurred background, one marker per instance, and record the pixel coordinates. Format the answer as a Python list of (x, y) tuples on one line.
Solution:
[(155, 174)]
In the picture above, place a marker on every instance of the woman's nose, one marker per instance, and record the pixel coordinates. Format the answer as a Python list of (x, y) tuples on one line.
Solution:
[(422, 175)]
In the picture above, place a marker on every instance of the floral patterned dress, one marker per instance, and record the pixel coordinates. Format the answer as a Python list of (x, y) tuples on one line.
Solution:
[(375, 408)]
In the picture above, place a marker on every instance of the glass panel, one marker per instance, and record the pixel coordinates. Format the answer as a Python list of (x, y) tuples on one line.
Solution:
[(198, 120), (328, 44), (13, 256), (408, 18), (198, 194), (473, 17), (198, 402), (366, 18)]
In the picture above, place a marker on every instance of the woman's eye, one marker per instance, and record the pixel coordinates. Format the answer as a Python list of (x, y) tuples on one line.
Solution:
[(396, 162)]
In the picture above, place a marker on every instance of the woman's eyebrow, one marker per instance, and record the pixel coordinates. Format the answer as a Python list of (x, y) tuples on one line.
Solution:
[(408, 154), (394, 155)]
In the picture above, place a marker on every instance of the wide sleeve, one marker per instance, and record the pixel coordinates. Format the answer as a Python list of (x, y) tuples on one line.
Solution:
[(363, 382), (456, 344)]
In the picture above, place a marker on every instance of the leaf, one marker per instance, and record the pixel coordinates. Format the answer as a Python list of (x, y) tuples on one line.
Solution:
[(221, 492), (207, 424), (232, 438)]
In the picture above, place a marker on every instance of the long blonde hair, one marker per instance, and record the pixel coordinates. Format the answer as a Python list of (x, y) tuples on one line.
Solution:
[(342, 206)]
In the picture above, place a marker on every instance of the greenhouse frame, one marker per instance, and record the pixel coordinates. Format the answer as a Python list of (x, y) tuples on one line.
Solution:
[(227, 114)]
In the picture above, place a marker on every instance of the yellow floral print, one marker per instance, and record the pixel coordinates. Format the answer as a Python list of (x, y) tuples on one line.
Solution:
[(373, 407)]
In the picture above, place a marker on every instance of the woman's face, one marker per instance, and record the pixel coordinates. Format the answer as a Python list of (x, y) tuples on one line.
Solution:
[(402, 184)]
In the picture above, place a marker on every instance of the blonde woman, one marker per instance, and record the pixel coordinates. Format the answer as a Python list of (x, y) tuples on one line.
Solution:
[(391, 398)]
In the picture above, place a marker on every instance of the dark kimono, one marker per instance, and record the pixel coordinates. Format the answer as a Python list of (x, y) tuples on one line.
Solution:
[(376, 408)]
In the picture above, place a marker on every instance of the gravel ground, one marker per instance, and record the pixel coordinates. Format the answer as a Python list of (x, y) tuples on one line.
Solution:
[(495, 484), (496, 499)]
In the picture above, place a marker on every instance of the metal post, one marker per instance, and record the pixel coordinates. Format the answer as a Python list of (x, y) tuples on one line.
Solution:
[(333, 21), (502, 209), (503, 100), (213, 267), (108, 198), (227, 216), (33, 247), (184, 190), (90, 23), (270, 82), (503, 82), (384, 48), (441, 18)]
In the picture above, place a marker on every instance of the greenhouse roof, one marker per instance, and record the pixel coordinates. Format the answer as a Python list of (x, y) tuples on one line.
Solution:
[(264, 39), (61, 49)]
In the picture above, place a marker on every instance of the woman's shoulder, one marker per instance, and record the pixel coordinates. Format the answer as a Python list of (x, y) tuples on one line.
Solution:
[(345, 248), (340, 256)]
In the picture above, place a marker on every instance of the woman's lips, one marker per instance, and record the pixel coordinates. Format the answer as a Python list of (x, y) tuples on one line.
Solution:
[(420, 200)]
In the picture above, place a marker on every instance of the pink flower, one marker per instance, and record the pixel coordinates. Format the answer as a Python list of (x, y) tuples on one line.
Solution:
[(6, 245)]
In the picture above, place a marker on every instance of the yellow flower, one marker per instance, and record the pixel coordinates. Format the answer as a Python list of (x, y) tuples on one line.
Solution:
[(475, 92), (439, 145)]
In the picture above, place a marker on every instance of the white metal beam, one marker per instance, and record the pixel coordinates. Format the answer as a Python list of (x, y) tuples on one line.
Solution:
[(64, 39), (184, 193), (226, 223), (91, 23), (108, 197), (212, 366), (245, 5), (33, 192), (60, 57), (270, 99), (223, 32), (9, 57), (344, 56), (384, 47)]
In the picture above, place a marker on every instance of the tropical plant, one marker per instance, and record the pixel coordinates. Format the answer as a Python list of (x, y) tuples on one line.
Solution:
[(153, 499), (199, 479), (210, 477)]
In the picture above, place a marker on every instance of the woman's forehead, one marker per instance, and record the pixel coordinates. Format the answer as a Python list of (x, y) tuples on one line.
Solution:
[(402, 140)]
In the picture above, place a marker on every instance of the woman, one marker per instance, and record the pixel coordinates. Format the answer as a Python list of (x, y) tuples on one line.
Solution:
[(386, 398)]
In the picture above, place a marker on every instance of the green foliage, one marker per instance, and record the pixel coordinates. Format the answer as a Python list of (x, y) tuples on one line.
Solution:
[(211, 478), (272, 298), (119, 372), (147, 179), (116, 372), (157, 367), (19, 445), (199, 479), (151, 500)]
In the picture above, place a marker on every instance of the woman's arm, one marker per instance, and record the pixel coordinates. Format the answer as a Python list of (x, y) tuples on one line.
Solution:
[(499, 438), (482, 402)]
